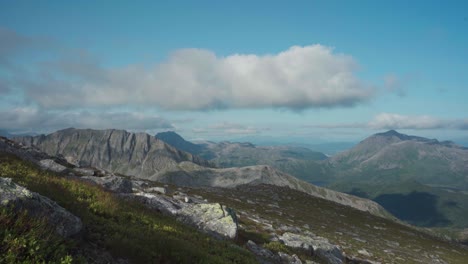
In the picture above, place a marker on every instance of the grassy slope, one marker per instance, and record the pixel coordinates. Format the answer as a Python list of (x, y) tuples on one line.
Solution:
[(389, 242), (125, 229)]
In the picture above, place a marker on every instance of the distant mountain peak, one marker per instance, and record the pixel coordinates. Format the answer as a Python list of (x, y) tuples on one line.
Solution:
[(394, 133), (169, 134), (177, 141), (391, 132)]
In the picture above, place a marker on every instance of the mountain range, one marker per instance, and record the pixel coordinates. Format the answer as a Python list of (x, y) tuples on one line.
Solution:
[(80, 214), (143, 156), (422, 181)]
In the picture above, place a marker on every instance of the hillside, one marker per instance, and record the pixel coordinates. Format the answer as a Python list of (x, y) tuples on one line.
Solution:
[(294, 160), (422, 181), (428, 177), (275, 225)]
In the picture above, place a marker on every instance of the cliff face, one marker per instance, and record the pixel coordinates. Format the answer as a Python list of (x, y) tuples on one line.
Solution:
[(118, 151)]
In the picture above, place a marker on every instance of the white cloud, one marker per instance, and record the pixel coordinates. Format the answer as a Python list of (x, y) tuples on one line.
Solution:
[(397, 121), (196, 79), (24, 119)]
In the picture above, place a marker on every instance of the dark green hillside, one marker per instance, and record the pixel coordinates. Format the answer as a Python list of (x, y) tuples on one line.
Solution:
[(415, 203), (125, 229), (421, 181)]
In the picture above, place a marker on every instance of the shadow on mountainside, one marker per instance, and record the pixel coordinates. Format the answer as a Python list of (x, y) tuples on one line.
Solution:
[(417, 208)]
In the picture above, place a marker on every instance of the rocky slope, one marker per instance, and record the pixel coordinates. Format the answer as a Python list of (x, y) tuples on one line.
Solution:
[(118, 151), (145, 157), (298, 161), (197, 176)]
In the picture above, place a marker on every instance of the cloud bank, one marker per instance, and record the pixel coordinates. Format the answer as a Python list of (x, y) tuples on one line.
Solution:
[(300, 77), (26, 119), (397, 121)]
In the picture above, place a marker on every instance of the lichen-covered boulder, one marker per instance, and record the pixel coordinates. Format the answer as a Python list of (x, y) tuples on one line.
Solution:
[(19, 198), (316, 245), (112, 183), (212, 218)]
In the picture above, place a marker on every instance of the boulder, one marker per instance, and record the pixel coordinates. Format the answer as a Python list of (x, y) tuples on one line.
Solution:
[(161, 203), (212, 218), (263, 255), (113, 183), (156, 189), (288, 259), (19, 198), (50, 164), (84, 171), (316, 245)]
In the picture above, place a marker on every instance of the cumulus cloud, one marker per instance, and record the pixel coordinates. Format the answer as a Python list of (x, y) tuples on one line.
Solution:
[(197, 79), (21, 119), (397, 121)]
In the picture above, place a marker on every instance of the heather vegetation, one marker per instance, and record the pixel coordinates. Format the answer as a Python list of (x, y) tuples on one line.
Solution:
[(125, 229)]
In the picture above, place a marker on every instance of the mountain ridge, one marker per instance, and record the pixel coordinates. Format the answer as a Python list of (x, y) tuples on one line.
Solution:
[(158, 161)]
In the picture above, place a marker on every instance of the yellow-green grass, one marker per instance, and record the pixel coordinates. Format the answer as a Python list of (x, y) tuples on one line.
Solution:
[(126, 229)]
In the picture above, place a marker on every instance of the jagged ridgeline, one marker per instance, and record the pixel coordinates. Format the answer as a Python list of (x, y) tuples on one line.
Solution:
[(146, 157), (133, 154)]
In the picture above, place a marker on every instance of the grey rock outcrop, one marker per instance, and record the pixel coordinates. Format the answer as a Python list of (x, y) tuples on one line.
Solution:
[(117, 151), (50, 164), (161, 190), (160, 203), (19, 198), (84, 171), (112, 183), (213, 218), (263, 255), (288, 259), (316, 245)]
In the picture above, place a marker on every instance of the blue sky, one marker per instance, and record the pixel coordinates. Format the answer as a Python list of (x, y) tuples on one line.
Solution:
[(287, 70)]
